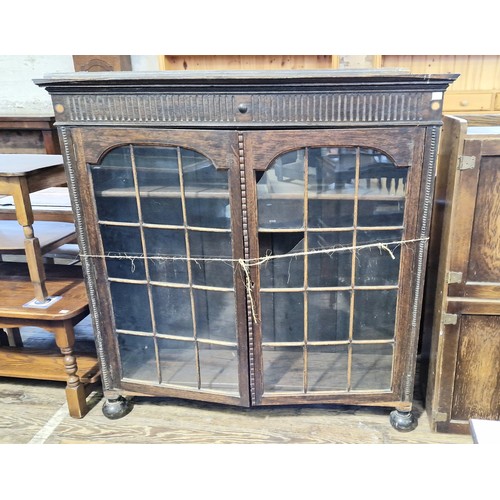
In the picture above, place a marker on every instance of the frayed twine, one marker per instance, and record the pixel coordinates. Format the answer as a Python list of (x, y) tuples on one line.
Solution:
[(246, 264)]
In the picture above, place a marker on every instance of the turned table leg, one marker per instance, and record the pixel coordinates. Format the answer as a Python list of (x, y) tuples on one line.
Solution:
[(75, 390), (24, 215)]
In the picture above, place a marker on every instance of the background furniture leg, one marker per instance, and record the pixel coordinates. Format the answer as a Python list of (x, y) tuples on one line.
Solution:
[(75, 391), (14, 337)]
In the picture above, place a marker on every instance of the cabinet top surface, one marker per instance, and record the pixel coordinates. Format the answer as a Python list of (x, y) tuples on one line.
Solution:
[(286, 77)]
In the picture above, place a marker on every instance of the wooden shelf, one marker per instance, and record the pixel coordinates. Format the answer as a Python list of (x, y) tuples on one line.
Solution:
[(51, 234), (45, 365), (211, 193), (164, 192)]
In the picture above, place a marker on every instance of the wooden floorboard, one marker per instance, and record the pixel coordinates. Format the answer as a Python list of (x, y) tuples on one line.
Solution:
[(35, 410)]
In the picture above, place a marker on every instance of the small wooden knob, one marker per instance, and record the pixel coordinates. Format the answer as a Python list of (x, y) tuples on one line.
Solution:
[(465, 102)]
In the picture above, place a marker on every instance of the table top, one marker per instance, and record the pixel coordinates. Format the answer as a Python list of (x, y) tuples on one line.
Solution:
[(62, 280), (15, 165), (49, 234), (485, 431)]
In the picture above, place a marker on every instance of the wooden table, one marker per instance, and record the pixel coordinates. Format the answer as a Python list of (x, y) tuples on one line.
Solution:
[(21, 175), (42, 124), (80, 371)]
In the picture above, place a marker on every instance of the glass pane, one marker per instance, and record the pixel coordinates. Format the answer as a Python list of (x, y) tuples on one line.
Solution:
[(328, 317), (327, 368), (379, 176), (216, 245), (331, 171), (166, 243), (138, 359), (178, 363), (159, 209), (380, 213), (131, 306), (114, 187), (324, 212), (199, 173), (206, 190), (219, 368), (371, 367), (123, 241), (374, 314), (330, 269), (172, 307), (157, 167), (282, 317), (159, 186), (208, 211), (215, 315), (280, 192), (376, 266), (285, 272), (283, 369)]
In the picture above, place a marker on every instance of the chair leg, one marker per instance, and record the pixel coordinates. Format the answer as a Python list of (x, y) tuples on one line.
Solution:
[(75, 390), (14, 336), (10, 337)]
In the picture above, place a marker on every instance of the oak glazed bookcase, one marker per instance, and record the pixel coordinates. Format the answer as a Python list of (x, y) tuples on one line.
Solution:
[(253, 238)]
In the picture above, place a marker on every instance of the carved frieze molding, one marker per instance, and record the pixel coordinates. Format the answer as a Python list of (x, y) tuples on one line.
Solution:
[(287, 109)]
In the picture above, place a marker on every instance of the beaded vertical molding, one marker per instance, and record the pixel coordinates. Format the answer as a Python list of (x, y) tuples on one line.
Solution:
[(246, 250), (77, 211), (422, 246)]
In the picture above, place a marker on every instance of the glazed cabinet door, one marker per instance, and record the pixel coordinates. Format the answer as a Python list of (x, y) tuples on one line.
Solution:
[(163, 216), (335, 241)]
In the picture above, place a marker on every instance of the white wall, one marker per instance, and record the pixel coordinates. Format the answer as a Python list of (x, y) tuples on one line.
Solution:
[(145, 63), (18, 94)]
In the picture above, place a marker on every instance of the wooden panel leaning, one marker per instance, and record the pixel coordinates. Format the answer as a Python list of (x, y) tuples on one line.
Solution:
[(461, 340)]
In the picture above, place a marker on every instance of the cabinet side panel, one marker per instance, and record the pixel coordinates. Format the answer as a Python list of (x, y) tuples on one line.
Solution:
[(451, 146), (477, 380)]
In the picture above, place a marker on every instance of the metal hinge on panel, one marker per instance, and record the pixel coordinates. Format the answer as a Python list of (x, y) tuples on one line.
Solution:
[(450, 319), (453, 277), (466, 162), (439, 416)]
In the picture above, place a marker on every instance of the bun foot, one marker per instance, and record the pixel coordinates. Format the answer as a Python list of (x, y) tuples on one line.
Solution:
[(403, 421), (116, 408)]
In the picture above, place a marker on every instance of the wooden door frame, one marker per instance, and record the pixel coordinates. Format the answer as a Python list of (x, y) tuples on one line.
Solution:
[(405, 146), (91, 144)]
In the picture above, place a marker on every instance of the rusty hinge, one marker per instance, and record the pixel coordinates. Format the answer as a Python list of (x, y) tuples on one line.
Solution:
[(449, 319), (454, 277), (439, 416), (466, 162)]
